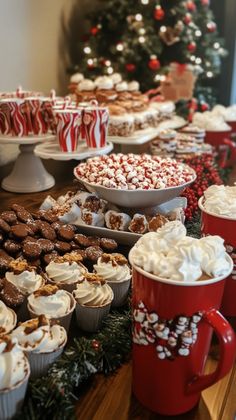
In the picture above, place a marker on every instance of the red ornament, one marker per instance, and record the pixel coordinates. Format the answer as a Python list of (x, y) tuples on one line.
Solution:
[(154, 64), (159, 13), (130, 67), (187, 19), (211, 26), (204, 107), (94, 30), (191, 46), (191, 6), (95, 344)]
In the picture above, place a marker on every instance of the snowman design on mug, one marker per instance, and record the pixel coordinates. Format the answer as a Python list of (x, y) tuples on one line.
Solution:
[(172, 338)]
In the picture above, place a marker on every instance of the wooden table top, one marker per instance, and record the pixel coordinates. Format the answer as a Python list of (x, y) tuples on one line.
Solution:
[(110, 398)]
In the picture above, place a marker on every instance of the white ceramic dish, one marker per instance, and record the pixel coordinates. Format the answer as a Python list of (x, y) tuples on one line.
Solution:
[(129, 238), (52, 150), (148, 134), (136, 198)]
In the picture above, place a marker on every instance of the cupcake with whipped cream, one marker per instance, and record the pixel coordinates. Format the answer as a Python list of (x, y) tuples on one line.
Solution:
[(105, 90), (26, 279), (115, 270), (14, 371), (8, 319), (66, 271), (43, 342), (85, 91), (93, 298), (55, 303), (75, 79)]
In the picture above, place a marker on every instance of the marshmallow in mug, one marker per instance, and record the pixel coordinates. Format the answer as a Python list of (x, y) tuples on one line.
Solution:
[(170, 254), (228, 113), (210, 121), (220, 200)]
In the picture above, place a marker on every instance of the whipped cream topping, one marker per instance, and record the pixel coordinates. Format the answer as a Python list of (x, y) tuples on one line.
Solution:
[(54, 305), (87, 85), (76, 78), (90, 293), (32, 333), (133, 86), (210, 121), (105, 83), (220, 200), (14, 365), (228, 113), (27, 281), (116, 78), (56, 338), (170, 254), (112, 270), (65, 272), (122, 87), (8, 319)]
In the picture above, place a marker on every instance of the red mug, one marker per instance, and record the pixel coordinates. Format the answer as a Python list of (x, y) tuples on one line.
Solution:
[(221, 140), (232, 124), (225, 227), (68, 123), (95, 125), (172, 329), (14, 122)]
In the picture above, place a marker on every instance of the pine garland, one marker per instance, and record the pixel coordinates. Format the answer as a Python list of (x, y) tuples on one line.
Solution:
[(54, 395)]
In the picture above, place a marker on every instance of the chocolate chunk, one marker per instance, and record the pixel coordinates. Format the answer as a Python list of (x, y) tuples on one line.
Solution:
[(48, 233), (11, 246), (46, 245), (9, 217), (66, 233), (81, 240), (47, 258), (92, 253), (108, 244), (10, 295), (24, 216), (32, 250), (4, 226), (62, 247), (21, 231)]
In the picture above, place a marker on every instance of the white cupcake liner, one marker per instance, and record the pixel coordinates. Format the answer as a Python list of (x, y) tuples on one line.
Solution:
[(63, 320), (121, 291), (11, 400), (40, 362), (89, 318)]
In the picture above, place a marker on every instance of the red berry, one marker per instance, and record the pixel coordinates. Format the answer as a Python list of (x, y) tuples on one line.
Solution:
[(130, 67)]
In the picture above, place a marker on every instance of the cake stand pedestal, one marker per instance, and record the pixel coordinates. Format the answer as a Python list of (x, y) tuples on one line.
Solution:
[(28, 174)]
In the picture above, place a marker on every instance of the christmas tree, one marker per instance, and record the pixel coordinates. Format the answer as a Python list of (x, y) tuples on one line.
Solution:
[(140, 38)]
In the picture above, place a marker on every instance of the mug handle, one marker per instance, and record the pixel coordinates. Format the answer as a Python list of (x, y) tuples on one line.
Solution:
[(227, 162), (227, 341)]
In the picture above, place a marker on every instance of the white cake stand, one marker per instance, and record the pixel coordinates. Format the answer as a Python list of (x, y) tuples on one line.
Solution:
[(28, 174)]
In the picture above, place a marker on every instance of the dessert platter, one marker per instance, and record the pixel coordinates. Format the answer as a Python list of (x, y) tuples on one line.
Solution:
[(51, 150)]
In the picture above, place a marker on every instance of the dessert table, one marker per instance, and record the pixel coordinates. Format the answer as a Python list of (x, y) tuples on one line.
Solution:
[(111, 397)]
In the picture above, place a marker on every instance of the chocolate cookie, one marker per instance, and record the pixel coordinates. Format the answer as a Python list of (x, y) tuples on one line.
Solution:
[(57, 225), (11, 246), (62, 247), (4, 226), (9, 217), (17, 207), (48, 216), (74, 245), (20, 231), (81, 240), (93, 241), (108, 244), (92, 253), (46, 245), (31, 250), (47, 258), (10, 295), (66, 233), (48, 233), (24, 216), (33, 226), (1, 238)]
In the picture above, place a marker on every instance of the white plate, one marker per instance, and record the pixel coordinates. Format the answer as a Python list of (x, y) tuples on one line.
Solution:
[(148, 134), (136, 198), (129, 238), (52, 150)]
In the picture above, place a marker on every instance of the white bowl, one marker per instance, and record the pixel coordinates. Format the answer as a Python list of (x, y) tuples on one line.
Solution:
[(136, 198)]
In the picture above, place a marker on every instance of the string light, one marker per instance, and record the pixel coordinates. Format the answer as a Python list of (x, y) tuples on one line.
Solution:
[(90, 61), (163, 28), (159, 78), (209, 74), (142, 31), (141, 39), (87, 50), (198, 60), (110, 70), (216, 45), (120, 47), (198, 33), (144, 1), (138, 17), (192, 58), (107, 63)]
